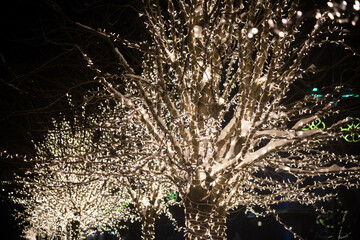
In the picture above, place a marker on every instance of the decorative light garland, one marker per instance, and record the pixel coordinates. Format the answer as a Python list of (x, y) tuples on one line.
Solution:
[(208, 117)]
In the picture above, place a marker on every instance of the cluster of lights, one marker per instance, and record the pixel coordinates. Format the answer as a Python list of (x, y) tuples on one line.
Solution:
[(351, 131), (77, 178), (58, 193), (211, 99), (207, 117)]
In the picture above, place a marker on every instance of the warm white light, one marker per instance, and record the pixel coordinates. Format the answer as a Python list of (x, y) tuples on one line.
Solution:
[(197, 31), (271, 23), (206, 107), (202, 175), (207, 74), (145, 201), (357, 5), (221, 101), (318, 15), (245, 127)]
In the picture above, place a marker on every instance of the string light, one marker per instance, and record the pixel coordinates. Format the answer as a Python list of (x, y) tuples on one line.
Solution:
[(218, 109), (208, 117), (68, 184)]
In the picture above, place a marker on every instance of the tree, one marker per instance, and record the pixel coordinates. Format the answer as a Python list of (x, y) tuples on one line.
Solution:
[(334, 222), (60, 198), (215, 91), (68, 190), (214, 98), (58, 205), (124, 148), (148, 198)]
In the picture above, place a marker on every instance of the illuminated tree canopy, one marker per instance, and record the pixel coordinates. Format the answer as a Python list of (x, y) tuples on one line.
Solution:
[(213, 90), (60, 199), (79, 179)]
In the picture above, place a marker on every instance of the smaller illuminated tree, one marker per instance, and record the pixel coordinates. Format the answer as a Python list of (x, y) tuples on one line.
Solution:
[(56, 200), (79, 182), (62, 204)]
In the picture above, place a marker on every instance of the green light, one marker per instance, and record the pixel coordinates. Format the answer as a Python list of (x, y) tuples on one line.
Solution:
[(172, 196), (316, 124), (123, 205), (315, 89), (352, 131)]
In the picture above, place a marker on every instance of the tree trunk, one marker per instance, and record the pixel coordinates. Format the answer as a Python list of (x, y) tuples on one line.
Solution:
[(148, 225), (73, 230), (204, 217)]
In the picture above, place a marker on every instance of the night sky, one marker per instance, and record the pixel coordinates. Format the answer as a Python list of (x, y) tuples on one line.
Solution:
[(38, 66)]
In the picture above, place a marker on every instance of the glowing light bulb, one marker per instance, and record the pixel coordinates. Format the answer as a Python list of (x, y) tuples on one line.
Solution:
[(197, 31), (254, 30), (357, 5), (271, 23), (221, 101)]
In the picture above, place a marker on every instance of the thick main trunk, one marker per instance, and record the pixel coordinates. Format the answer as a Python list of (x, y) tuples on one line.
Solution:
[(73, 230), (148, 226), (204, 217)]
